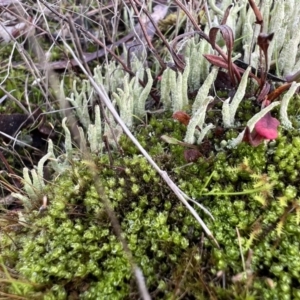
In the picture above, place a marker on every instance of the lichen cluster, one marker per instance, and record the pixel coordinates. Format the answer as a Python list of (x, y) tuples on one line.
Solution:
[(280, 17)]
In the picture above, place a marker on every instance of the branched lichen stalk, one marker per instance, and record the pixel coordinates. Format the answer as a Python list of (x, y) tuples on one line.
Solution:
[(165, 89), (184, 90), (287, 58), (139, 106), (81, 102), (37, 182), (204, 63), (203, 91), (124, 100), (82, 137), (68, 140), (95, 132), (215, 8), (247, 33), (233, 106), (194, 53), (28, 185), (204, 132), (197, 120), (226, 113), (40, 168), (175, 98), (53, 160), (276, 25), (266, 6), (285, 122)]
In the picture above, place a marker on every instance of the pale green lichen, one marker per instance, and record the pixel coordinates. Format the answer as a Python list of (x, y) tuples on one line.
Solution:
[(199, 66), (109, 75), (204, 132), (32, 187), (229, 110), (165, 89), (280, 17), (57, 164), (68, 140), (28, 184), (289, 54), (81, 101), (132, 97), (94, 133), (285, 122), (141, 94), (215, 8), (196, 121), (174, 88), (204, 90), (112, 130), (247, 38), (226, 112), (124, 99)]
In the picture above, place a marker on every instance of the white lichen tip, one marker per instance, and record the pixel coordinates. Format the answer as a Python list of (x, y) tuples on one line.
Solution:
[(204, 90), (142, 96), (81, 101), (226, 113), (68, 139), (197, 121), (285, 122), (94, 133), (174, 88), (165, 89), (28, 184), (229, 110), (204, 132)]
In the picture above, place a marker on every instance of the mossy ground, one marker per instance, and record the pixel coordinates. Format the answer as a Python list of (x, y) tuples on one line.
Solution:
[(70, 250)]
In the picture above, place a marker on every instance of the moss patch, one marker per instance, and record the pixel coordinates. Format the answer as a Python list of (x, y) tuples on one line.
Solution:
[(71, 250)]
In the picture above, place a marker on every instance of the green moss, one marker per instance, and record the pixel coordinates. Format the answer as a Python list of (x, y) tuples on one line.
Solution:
[(71, 248), (73, 242)]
